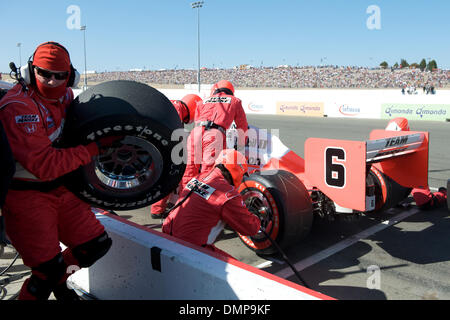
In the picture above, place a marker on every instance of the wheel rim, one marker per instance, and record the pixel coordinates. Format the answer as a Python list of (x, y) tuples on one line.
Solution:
[(255, 201), (258, 196), (129, 164)]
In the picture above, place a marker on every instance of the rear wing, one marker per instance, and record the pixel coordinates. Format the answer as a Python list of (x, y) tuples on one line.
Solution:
[(389, 147), (338, 168)]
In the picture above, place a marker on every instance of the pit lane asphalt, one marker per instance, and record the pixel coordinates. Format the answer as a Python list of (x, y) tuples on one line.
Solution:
[(412, 255)]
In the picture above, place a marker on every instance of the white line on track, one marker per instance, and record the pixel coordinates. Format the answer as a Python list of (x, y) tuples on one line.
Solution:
[(307, 262), (264, 264)]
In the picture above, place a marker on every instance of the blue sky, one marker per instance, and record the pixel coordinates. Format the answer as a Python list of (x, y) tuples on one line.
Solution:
[(154, 34)]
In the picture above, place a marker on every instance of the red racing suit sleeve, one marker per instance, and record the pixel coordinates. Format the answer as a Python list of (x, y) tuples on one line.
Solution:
[(240, 118), (236, 215), (32, 147)]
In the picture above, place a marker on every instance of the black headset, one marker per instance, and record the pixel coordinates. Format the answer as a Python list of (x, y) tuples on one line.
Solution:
[(28, 75)]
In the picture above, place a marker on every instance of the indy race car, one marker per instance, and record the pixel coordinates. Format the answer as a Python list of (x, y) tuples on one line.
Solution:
[(336, 177)]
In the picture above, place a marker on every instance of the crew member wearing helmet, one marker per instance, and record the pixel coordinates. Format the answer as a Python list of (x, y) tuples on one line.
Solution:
[(212, 202), (212, 119), (424, 198), (398, 124), (186, 110), (39, 211), (186, 107)]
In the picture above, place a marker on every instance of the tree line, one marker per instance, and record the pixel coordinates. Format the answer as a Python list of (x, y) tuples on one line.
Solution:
[(423, 65)]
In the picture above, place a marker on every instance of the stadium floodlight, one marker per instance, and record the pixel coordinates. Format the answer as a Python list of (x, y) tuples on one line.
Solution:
[(197, 5), (20, 53), (83, 28)]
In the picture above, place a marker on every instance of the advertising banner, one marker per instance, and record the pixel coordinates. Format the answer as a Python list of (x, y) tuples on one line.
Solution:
[(434, 112), (253, 106), (304, 109), (353, 109)]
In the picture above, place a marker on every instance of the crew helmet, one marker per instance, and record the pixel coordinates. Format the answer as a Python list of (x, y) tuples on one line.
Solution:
[(225, 85), (398, 124), (235, 163), (191, 101)]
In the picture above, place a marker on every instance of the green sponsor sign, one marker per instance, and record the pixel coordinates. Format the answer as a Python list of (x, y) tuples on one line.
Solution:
[(434, 112)]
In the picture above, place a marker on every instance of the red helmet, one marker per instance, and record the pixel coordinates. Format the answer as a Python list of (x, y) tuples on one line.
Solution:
[(191, 101), (222, 84), (235, 163), (398, 124)]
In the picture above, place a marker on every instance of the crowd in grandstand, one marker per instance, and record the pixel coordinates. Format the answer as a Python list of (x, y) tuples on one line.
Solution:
[(290, 77)]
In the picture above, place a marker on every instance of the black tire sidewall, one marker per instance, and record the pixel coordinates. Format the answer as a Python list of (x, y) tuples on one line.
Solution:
[(293, 204)]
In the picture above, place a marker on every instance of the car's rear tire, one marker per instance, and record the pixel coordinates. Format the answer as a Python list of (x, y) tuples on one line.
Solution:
[(136, 170), (388, 193), (289, 209)]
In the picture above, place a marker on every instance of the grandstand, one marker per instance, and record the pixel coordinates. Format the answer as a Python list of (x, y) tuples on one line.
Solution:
[(291, 77), (329, 77)]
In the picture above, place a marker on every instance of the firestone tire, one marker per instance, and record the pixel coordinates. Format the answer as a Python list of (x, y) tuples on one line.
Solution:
[(137, 169), (289, 209)]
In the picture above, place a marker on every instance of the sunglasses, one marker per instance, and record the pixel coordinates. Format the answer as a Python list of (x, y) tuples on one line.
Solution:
[(48, 74)]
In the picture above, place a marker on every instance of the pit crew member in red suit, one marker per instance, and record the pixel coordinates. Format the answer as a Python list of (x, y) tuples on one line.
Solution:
[(186, 110), (213, 203), (212, 119), (424, 198), (39, 211)]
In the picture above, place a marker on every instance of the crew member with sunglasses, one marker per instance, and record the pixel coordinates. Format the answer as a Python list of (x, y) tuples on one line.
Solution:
[(39, 211)]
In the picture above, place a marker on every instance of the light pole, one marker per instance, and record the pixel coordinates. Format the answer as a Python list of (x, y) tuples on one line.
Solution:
[(20, 53), (197, 5), (83, 28)]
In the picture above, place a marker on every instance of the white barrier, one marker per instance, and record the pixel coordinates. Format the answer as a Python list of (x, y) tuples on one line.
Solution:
[(336, 103), (146, 264)]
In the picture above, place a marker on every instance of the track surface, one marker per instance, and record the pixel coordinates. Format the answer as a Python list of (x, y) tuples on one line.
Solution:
[(398, 255)]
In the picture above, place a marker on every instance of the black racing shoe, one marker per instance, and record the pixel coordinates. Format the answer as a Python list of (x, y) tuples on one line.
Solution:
[(63, 293)]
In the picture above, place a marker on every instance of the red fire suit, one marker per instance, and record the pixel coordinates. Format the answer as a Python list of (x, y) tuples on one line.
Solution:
[(37, 220), (205, 143), (201, 218), (425, 199)]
